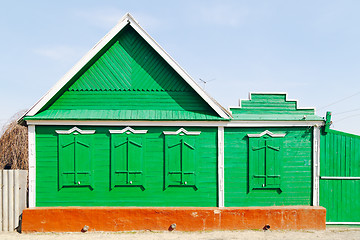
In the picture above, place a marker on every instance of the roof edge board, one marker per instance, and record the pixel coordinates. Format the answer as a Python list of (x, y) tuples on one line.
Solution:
[(126, 19)]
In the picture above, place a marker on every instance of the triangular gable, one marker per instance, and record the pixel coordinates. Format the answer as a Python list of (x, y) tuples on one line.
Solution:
[(86, 60)]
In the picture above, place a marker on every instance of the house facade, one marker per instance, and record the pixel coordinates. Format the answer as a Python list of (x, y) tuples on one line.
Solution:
[(127, 126)]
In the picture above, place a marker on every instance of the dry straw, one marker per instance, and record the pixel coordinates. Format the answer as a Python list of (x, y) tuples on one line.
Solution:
[(14, 147)]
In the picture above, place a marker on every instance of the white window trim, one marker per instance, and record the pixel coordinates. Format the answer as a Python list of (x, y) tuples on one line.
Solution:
[(266, 132), (221, 175), (75, 129), (182, 130), (127, 130)]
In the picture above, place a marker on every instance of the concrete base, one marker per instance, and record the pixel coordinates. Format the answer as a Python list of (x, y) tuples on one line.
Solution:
[(73, 219)]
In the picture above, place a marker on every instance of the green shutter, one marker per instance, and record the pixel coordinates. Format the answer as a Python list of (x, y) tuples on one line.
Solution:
[(264, 162), (127, 160), (180, 165), (74, 160)]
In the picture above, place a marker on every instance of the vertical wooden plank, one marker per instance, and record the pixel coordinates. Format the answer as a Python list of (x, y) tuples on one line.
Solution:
[(11, 200), (22, 190), (16, 198), (32, 166), (1, 199), (221, 185), (316, 165), (5, 198)]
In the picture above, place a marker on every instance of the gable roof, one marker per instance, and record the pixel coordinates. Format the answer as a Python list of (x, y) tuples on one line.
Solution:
[(126, 20)]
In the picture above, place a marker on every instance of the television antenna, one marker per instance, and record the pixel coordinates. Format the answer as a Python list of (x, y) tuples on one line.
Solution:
[(205, 82)]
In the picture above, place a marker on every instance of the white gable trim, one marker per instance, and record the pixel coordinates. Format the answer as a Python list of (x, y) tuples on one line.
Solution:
[(127, 130), (183, 131), (75, 129), (266, 132), (127, 19)]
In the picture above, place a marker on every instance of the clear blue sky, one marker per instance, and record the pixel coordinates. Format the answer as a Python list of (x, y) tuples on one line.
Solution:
[(309, 49)]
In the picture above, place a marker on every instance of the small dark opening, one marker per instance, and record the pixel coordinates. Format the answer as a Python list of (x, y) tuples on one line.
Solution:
[(8, 166)]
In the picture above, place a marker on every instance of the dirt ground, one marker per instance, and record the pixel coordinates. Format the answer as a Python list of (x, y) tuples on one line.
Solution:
[(330, 233)]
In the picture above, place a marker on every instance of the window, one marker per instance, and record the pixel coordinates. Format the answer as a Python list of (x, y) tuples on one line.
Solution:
[(265, 157), (180, 158), (74, 159), (127, 160)]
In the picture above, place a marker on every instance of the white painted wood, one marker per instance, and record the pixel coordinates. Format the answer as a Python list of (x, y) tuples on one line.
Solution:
[(233, 123), (339, 178), (16, 198), (75, 129), (221, 180), (127, 19), (181, 131), (5, 201), (342, 223), (32, 166), (264, 133), (128, 129), (13, 197), (11, 200), (316, 165)]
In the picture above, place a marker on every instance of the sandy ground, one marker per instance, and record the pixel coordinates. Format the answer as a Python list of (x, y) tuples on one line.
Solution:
[(330, 233)]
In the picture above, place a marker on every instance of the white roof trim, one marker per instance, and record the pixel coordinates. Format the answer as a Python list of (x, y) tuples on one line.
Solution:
[(127, 19), (181, 130), (75, 129), (273, 93), (127, 130), (266, 132)]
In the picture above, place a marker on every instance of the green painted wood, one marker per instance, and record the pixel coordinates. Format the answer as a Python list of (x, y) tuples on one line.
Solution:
[(127, 75), (340, 157), (102, 194), (294, 166), (75, 168), (271, 106), (180, 160), (265, 159), (127, 160)]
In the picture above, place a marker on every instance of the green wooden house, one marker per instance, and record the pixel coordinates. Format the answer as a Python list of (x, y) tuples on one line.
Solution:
[(127, 126)]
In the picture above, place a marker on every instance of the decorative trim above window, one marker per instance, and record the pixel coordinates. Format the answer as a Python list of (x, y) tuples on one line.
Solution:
[(182, 131), (75, 129), (128, 130), (264, 133)]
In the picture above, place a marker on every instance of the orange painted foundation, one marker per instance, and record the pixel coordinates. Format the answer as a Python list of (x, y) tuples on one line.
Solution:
[(73, 219)]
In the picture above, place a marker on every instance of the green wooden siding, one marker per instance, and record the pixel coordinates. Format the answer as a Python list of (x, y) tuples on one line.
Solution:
[(294, 166), (271, 106), (340, 157), (127, 75), (103, 193)]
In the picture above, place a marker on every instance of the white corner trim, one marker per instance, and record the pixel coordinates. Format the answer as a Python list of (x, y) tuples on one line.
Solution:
[(221, 180), (127, 130), (316, 166), (75, 129), (127, 19), (181, 130), (32, 166), (264, 133)]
